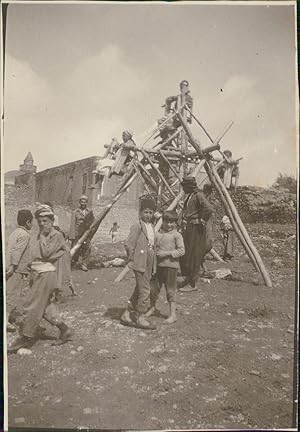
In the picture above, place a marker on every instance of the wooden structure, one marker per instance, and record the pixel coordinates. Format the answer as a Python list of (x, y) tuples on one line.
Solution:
[(168, 154)]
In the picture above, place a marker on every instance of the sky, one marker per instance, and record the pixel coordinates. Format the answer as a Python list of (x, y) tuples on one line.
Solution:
[(77, 75)]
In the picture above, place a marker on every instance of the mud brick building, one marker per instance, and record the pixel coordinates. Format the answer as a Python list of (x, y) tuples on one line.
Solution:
[(63, 185)]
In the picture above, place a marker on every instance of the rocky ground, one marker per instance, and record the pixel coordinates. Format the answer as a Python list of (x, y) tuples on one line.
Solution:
[(226, 363)]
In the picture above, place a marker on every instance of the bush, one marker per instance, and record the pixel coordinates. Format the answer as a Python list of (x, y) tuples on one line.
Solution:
[(285, 181)]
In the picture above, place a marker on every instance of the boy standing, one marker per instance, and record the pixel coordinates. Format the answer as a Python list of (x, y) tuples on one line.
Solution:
[(170, 247), (140, 248), (228, 238), (18, 263), (114, 232)]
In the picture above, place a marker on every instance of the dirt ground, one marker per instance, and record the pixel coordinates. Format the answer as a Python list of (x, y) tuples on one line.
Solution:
[(226, 363)]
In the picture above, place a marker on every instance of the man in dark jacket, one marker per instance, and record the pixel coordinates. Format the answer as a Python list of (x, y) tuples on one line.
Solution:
[(196, 212), (82, 219)]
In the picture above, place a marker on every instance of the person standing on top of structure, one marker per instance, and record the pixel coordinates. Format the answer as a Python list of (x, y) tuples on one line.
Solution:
[(82, 219), (196, 211), (184, 97), (123, 155), (46, 249)]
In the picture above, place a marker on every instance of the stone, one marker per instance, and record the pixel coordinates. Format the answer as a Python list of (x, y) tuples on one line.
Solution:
[(24, 351), (240, 311), (80, 348), (276, 357), (19, 420), (102, 351), (87, 411), (254, 372), (162, 369)]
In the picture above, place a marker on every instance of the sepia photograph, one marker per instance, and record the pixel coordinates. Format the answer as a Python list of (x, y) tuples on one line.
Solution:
[(149, 163)]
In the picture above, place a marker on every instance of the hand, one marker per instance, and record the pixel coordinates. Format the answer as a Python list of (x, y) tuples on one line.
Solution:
[(203, 222), (9, 271)]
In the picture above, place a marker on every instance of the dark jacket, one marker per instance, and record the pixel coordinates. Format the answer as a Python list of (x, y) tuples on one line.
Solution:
[(81, 220), (137, 247), (197, 207)]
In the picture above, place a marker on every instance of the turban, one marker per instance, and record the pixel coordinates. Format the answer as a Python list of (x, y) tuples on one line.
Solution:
[(43, 210), (184, 82), (148, 203), (83, 197), (128, 133), (189, 181)]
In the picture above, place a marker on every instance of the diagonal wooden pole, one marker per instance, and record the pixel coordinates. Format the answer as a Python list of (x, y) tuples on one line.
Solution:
[(230, 208), (95, 225)]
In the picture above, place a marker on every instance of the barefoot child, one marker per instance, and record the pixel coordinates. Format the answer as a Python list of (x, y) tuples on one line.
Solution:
[(114, 232), (228, 238), (140, 248), (170, 247)]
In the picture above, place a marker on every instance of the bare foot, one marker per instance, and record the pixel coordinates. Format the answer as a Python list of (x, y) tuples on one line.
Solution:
[(171, 319), (150, 312)]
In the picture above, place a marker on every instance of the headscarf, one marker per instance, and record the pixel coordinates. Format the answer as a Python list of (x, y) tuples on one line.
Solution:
[(43, 210), (128, 133)]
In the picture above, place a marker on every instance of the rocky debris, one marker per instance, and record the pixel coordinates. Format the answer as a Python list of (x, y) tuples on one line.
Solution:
[(106, 252), (222, 273), (276, 357), (19, 420), (257, 204), (117, 262), (24, 352)]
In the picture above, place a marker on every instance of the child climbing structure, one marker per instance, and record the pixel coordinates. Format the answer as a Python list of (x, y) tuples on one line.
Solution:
[(170, 153)]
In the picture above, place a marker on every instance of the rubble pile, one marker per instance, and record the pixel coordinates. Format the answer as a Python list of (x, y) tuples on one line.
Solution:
[(257, 204)]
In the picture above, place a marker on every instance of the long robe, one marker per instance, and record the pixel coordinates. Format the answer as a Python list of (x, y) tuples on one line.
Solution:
[(40, 302)]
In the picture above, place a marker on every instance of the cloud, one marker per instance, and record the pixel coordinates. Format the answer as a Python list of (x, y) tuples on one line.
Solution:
[(106, 82), (76, 117), (25, 92)]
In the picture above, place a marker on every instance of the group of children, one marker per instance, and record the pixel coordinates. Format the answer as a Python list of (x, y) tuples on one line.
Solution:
[(154, 258)]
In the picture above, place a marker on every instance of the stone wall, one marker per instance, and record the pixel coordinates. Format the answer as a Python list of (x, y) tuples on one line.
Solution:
[(256, 204), (63, 185)]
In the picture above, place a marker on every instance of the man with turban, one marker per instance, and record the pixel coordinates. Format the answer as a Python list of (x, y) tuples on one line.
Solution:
[(196, 212), (82, 218), (123, 154), (46, 249)]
